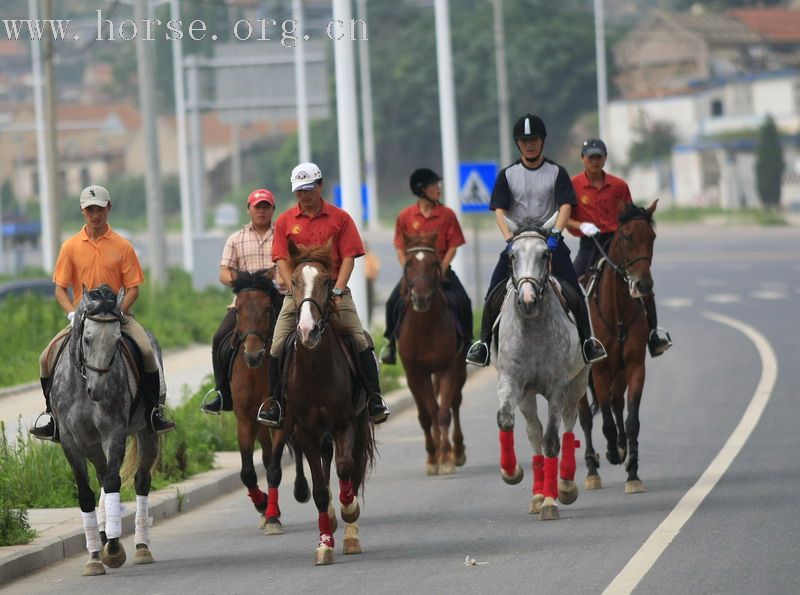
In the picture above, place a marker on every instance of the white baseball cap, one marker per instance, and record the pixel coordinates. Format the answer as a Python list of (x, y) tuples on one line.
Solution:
[(305, 176), (94, 195)]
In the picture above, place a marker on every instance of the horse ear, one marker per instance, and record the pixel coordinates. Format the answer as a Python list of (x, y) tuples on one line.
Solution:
[(407, 239), (120, 297), (270, 273), (329, 245), (652, 208), (294, 251), (512, 227), (85, 294)]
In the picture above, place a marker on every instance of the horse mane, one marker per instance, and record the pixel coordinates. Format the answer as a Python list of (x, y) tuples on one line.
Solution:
[(257, 280), (320, 254), (633, 212), (425, 239), (101, 300), (530, 224)]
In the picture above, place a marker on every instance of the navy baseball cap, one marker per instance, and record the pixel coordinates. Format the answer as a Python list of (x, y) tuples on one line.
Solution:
[(593, 146)]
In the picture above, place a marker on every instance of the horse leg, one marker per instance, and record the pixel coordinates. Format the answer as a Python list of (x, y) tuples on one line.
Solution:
[(419, 383), (535, 436), (321, 494), (327, 457), (445, 455), (246, 431), (567, 489), (459, 450), (349, 508), (113, 554), (272, 521), (592, 481), (555, 402), (509, 394), (302, 493), (635, 385), (148, 453)]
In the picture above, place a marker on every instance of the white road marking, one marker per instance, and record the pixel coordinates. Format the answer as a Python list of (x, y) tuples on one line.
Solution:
[(767, 294), (644, 559), (676, 302), (723, 298)]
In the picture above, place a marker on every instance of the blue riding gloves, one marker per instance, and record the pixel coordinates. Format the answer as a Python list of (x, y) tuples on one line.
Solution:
[(553, 239)]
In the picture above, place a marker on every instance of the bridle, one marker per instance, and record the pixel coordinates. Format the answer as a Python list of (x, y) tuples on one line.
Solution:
[(410, 282), (81, 363), (623, 270), (324, 309), (251, 332), (537, 283)]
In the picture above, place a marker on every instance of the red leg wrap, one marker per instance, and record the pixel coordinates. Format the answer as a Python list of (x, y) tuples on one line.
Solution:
[(568, 446), (325, 533), (257, 497), (508, 458), (346, 494), (538, 474), (272, 507), (550, 489)]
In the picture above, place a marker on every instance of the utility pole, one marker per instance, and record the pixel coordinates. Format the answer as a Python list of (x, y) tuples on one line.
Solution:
[(600, 56), (502, 83), (370, 167), (303, 136), (198, 167), (155, 207), (49, 184)]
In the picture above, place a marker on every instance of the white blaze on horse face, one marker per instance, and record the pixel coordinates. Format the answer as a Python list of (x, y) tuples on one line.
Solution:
[(306, 322), (420, 256)]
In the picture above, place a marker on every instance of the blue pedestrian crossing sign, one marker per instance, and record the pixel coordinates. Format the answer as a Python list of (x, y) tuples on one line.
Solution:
[(476, 181)]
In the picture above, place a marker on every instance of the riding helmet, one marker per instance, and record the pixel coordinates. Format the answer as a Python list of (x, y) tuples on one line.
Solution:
[(529, 126), (422, 177)]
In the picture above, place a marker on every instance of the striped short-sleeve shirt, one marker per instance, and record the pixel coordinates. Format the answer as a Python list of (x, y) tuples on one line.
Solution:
[(245, 250)]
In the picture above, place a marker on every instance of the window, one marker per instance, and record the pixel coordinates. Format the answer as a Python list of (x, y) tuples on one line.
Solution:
[(716, 108)]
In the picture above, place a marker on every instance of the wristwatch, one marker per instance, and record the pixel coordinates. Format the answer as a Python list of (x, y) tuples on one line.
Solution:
[(337, 292)]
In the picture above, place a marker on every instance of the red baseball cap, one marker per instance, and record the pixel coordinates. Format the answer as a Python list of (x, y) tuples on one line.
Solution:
[(260, 195)]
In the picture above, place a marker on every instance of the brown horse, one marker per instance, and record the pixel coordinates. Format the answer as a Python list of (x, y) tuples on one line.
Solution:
[(325, 404), (620, 323), (255, 294), (432, 354)]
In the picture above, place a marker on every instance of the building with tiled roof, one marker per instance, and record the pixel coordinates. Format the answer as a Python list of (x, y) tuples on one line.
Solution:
[(779, 29)]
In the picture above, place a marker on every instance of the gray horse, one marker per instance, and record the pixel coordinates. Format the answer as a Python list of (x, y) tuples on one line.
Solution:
[(94, 400), (538, 352)]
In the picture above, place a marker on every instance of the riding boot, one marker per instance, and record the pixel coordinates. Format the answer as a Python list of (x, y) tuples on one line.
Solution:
[(479, 352), (389, 353), (656, 344), (223, 401), (376, 406), (151, 388), (273, 418), (591, 349), (49, 431)]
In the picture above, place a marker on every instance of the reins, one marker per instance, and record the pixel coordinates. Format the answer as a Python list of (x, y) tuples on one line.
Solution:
[(81, 363)]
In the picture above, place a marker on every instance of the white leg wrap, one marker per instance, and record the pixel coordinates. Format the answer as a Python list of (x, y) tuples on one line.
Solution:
[(101, 511), (113, 516), (90, 530), (143, 521)]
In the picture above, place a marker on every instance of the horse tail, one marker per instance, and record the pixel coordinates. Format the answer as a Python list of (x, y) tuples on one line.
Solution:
[(363, 451), (131, 461)]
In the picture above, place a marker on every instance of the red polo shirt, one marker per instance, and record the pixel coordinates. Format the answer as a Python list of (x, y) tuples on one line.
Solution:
[(441, 219), (600, 206), (330, 222)]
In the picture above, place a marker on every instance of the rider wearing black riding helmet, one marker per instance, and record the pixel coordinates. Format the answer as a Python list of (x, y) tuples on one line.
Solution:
[(428, 215), (533, 187)]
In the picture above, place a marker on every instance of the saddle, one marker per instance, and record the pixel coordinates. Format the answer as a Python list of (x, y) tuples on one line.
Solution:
[(592, 275), (226, 354)]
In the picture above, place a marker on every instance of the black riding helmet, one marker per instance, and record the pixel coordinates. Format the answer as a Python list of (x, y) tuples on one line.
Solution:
[(420, 178), (529, 126)]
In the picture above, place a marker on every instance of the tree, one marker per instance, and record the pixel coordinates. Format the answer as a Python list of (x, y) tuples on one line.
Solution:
[(769, 164), (656, 140)]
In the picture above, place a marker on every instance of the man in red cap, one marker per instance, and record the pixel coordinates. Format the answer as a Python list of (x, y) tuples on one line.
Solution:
[(250, 250)]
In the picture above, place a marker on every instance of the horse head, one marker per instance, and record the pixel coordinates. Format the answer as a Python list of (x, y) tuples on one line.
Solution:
[(422, 271), (311, 290), (530, 264), (631, 250), (254, 296), (98, 337)]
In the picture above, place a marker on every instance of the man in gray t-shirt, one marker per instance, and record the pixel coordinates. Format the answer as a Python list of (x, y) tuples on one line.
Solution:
[(533, 187)]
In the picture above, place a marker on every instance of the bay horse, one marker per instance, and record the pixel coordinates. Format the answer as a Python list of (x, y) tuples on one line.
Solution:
[(620, 323), (325, 405), (255, 294), (95, 400), (538, 351), (432, 354)]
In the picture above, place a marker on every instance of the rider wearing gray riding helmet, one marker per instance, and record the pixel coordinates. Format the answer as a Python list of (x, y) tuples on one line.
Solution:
[(533, 187), (595, 218)]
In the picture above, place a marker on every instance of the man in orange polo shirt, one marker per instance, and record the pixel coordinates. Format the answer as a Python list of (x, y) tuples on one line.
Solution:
[(428, 215), (93, 256), (601, 199), (312, 223)]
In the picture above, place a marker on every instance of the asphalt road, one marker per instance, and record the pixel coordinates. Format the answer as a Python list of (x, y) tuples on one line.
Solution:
[(728, 297)]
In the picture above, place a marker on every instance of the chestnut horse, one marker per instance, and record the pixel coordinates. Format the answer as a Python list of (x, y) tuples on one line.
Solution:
[(324, 403), (619, 322), (432, 354), (255, 294)]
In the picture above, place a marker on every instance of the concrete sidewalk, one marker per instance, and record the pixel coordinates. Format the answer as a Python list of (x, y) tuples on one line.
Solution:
[(60, 530)]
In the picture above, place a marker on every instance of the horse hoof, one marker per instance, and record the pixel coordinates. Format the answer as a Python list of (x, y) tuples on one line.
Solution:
[(350, 513), (432, 469), (351, 546), (447, 468), (143, 555), (536, 504), (324, 555), (512, 479), (634, 487), (301, 492), (113, 554), (567, 491), (273, 526), (461, 459), (549, 513), (94, 568), (616, 458), (592, 482)]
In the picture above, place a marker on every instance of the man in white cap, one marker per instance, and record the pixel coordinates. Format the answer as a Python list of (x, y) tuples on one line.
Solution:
[(92, 257), (313, 222)]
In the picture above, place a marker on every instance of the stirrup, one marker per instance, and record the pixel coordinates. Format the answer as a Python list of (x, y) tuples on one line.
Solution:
[(383, 415), (599, 350), (387, 356), (478, 359), (32, 431), (205, 402), (160, 411), (663, 343), (262, 418)]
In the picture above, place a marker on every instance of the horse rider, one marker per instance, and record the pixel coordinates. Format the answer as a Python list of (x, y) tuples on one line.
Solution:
[(312, 222), (601, 198), (428, 215), (249, 250), (93, 256), (533, 187)]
